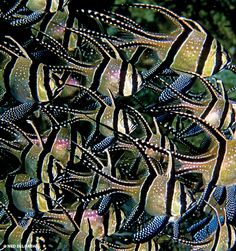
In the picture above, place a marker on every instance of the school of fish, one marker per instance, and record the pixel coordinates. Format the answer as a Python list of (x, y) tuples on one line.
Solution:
[(113, 136)]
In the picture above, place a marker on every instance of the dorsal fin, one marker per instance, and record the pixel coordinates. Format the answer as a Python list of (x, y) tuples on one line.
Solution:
[(11, 46)]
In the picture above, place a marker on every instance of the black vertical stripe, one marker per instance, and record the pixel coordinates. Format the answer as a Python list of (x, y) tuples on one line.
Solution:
[(7, 73), (163, 145), (170, 192), (174, 49), (50, 167), (46, 80), (72, 238), (79, 213), (156, 245), (40, 164), (166, 63), (8, 232), (225, 110), (106, 219), (11, 206), (45, 151), (183, 199), (122, 77), (145, 188), (206, 48), (48, 5), (34, 198), (218, 58), (77, 219), (116, 119), (60, 5), (232, 118), (97, 245), (98, 74), (99, 117), (211, 104), (125, 121), (137, 54), (24, 154), (216, 238), (221, 152), (51, 140), (137, 247), (58, 194), (134, 80), (73, 147), (45, 22), (26, 234), (94, 184), (149, 246), (208, 110), (89, 238), (33, 80), (67, 34), (48, 200), (118, 219)]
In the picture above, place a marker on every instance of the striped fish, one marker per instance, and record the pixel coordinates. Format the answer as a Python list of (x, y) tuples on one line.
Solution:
[(18, 234), (190, 48), (15, 18), (109, 115), (147, 190), (209, 163), (49, 26), (91, 230), (9, 48), (31, 81), (220, 155), (47, 174), (112, 68), (220, 112), (79, 228), (214, 225), (28, 195), (37, 160), (46, 5), (215, 109)]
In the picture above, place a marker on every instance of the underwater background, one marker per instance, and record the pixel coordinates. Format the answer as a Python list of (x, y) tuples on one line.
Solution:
[(117, 125)]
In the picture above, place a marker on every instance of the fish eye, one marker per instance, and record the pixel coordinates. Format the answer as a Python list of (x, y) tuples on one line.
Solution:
[(126, 240), (123, 239)]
